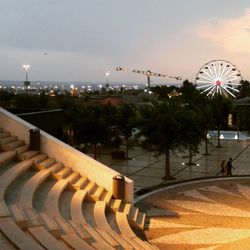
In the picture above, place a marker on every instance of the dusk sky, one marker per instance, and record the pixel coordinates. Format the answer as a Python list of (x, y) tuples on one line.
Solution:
[(80, 40)]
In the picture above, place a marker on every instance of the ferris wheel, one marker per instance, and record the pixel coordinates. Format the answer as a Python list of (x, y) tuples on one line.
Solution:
[(218, 77)]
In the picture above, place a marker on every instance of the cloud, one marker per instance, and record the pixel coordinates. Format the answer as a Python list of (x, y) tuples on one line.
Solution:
[(232, 34)]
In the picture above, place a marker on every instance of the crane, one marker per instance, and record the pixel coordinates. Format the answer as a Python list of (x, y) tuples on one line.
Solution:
[(148, 73)]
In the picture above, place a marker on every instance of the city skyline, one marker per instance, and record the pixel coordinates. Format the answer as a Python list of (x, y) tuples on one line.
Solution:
[(62, 41)]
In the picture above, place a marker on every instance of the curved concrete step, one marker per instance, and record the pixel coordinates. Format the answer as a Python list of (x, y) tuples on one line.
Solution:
[(7, 139), (30, 187), (52, 202), (126, 231), (6, 157), (46, 239), (38, 158), (45, 164), (5, 243), (4, 134), (100, 216), (27, 155), (12, 145), (76, 243), (17, 236), (63, 173), (80, 183), (9, 176), (21, 149), (76, 206), (100, 243)]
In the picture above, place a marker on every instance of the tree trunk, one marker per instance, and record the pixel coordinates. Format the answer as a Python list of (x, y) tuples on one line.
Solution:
[(218, 137), (167, 166), (206, 144)]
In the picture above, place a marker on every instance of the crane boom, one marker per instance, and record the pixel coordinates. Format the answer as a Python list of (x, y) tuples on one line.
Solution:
[(148, 73)]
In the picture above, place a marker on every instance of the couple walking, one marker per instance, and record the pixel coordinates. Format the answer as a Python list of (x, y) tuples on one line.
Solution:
[(226, 167)]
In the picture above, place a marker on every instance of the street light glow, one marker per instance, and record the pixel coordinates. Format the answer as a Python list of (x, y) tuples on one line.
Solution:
[(107, 73), (26, 66)]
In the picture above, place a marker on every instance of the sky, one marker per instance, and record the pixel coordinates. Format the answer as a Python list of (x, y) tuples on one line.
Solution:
[(80, 40)]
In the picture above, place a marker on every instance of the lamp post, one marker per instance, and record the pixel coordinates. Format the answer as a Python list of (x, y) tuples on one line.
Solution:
[(107, 79), (26, 82)]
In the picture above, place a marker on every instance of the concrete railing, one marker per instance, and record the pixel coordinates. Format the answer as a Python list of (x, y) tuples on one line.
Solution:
[(70, 157)]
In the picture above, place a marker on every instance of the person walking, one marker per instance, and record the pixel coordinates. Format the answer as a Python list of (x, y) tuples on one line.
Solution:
[(229, 167)]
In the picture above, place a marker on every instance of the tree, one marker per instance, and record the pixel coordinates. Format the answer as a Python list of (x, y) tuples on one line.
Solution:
[(93, 127), (244, 89), (198, 107), (192, 131), (163, 92), (160, 126), (27, 101), (125, 122)]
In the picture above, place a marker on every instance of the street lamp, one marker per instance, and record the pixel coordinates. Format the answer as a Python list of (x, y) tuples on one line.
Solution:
[(26, 82), (107, 78)]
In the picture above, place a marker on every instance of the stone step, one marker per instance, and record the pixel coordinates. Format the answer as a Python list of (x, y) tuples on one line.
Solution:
[(80, 231), (140, 220), (63, 173), (8, 139), (50, 225), (98, 192), (56, 167), (46, 239), (133, 213), (77, 243), (45, 164), (89, 187), (38, 158), (63, 224), (107, 197), (73, 178), (4, 134), (19, 216), (21, 149), (27, 155), (76, 206), (127, 208), (33, 218), (4, 210), (80, 183), (115, 205), (13, 145), (17, 236), (7, 157)]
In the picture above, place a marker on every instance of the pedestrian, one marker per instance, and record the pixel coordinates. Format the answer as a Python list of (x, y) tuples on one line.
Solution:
[(223, 168), (229, 167)]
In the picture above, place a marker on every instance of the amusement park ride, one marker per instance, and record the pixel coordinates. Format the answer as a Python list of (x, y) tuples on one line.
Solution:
[(149, 74), (219, 77)]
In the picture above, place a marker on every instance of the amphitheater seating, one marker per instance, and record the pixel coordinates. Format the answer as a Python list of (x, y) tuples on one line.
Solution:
[(76, 206), (76, 243), (30, 187), (46, 239), (93, 218), (18, 237)]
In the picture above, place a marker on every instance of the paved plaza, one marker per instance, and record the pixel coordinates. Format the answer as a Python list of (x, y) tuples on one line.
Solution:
[(201, 215), (204, 214), (147, 171)]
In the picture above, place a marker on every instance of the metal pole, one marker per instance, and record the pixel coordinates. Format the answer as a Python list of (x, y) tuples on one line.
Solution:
[(26, 70), (148, 83)]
